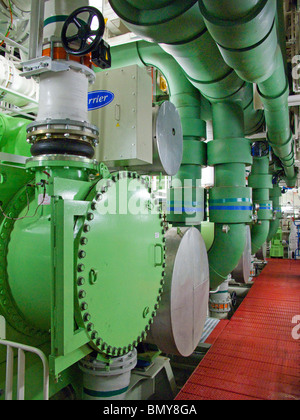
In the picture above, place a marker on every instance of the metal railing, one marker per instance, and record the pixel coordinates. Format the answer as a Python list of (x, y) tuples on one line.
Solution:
[(9, 382)]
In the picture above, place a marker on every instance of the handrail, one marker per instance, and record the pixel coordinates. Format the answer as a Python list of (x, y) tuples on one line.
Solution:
[(21, 369)]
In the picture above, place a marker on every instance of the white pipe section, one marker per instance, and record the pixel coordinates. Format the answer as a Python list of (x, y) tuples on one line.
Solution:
[(10, 78), (56, 9), (294, 100), (63, 95)]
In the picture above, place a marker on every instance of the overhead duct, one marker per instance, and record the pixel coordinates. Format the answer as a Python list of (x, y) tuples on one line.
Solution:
[(247, 39)]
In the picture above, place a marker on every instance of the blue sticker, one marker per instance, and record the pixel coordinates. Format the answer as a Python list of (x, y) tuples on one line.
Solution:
[(99, 99)]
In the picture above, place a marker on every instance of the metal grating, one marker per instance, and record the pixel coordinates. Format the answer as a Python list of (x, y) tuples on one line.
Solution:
[(254, 356)]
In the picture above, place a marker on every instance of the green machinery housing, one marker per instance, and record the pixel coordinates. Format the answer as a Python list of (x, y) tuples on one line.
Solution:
[(79, 273)]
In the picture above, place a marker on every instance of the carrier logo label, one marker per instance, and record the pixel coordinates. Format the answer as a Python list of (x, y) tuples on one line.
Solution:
[(99, 99)]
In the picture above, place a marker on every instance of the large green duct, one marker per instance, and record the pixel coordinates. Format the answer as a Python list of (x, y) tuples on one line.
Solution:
[(187, 100), (247, 38), (230, 201), (13, 135), (261, 183), (194, 49)]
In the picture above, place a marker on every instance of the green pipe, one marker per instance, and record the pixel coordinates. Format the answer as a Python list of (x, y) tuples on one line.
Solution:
[(221, 263), (13, 136), (249, 44), (230, 203), (187, 100), (275, 195), (261, 183), (230, 9)]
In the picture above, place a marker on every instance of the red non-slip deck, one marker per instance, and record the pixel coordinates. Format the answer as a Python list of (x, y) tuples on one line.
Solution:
[(254, 355)]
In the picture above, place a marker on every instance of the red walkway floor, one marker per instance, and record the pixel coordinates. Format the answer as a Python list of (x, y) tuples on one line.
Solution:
[(254, 356)]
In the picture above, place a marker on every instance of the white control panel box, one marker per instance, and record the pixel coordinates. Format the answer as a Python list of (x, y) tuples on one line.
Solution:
[(120, 105)]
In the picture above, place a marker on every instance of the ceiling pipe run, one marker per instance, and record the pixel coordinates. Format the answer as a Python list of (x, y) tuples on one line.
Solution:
[(250, 45)]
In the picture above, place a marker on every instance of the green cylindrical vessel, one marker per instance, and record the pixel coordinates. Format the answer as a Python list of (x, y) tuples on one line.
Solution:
[(117, 246)]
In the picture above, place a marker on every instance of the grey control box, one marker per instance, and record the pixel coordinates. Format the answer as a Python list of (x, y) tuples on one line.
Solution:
[(120, 105)]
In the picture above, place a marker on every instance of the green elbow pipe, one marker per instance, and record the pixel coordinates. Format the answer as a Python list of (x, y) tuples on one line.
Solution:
[(13, 136), (274, 226), (225, 253)]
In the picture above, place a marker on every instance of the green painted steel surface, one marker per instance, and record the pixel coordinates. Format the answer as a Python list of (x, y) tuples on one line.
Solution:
[(13, 135)]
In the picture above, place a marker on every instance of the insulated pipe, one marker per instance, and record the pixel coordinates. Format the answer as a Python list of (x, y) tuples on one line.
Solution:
[(261, 183), (63, 94), (275, 195), (192, 46), (187, 100), (62, 125), (10, 78), (230, 201), (247, 39)]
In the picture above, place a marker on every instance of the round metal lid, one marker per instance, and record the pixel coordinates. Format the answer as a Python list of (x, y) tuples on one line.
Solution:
[(181, 317), (120, 264), (169, 138)]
